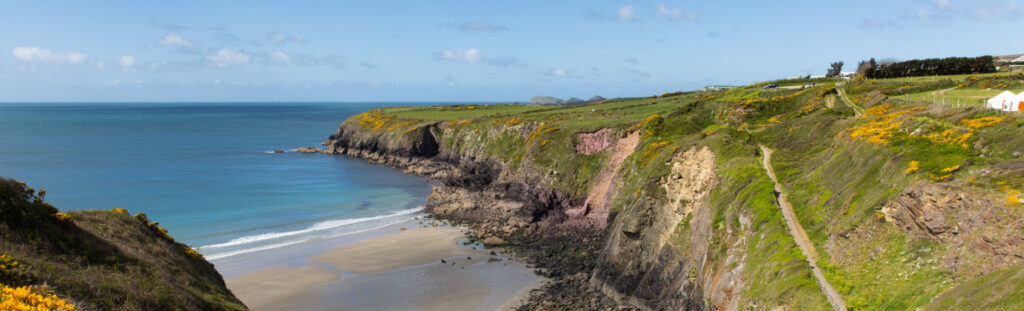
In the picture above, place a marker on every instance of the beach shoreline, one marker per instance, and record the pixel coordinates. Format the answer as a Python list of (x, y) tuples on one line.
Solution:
[(412, 265)]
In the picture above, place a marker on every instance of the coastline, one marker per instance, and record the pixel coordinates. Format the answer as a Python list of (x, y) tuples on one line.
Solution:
[(353, 271)]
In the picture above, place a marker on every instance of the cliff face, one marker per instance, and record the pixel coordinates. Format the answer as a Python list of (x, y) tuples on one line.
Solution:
[(665, 204), (99, 260), (638, 266), (653, 255)]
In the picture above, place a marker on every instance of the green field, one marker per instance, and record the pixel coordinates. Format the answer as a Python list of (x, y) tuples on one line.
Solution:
[(456, 112), (951, 77)]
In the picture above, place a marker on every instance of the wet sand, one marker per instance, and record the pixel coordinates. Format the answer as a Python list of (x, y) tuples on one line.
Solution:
[(391, 270)]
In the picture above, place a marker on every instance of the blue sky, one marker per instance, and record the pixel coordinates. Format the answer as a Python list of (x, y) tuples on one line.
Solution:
[(94, 51)]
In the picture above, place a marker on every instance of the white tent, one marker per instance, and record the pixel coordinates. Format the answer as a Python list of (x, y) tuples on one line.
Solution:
[(1004, 101), (1018, 103)]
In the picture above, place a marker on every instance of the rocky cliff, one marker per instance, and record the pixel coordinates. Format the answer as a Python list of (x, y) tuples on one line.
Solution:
[(663, 203)]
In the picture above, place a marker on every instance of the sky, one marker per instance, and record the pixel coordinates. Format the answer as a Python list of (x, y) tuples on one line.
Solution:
[(486, 50)]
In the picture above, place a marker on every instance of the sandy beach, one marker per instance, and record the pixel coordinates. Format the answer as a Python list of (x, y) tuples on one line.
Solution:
[(390, 269)]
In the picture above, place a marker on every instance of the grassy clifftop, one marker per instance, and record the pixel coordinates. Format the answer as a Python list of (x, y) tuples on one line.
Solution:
[(97, 260), (903, 199)]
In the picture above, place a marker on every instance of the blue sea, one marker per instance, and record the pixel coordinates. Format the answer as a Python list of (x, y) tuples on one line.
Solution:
[(206, 171)]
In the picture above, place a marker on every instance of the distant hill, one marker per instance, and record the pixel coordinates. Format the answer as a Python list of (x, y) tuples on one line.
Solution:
[(545, 100)]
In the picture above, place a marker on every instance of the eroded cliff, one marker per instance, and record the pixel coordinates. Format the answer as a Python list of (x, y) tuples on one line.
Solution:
[(663, 204)]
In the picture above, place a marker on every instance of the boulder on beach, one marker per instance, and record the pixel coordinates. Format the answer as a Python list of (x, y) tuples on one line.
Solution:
[(493, 240)]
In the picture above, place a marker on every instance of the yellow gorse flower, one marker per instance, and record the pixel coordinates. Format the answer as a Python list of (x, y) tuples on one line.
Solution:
[(27, 299), (913, 166), (375, 120), (982, 122)]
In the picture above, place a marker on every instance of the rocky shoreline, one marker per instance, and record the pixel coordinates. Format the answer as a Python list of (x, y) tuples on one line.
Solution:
[(527, 220)]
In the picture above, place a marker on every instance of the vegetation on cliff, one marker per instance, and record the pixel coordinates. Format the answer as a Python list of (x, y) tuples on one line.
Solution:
[(905, 200), (97, 260)]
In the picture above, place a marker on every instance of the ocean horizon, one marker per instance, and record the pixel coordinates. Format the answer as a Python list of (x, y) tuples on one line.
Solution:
[(207, 171)]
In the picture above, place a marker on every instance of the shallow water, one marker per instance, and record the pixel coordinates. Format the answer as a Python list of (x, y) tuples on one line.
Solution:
[(204, 171)]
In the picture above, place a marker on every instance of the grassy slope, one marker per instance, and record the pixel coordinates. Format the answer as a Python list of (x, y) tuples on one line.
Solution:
[(103, 260), (999, 290), (837, 181)]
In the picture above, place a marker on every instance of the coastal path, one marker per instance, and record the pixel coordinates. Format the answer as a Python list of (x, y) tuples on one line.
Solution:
[(798, 233), (857, 109)]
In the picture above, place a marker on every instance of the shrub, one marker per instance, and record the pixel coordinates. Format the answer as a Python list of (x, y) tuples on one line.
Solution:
[(930, 67), (31, 298), (982, 122)]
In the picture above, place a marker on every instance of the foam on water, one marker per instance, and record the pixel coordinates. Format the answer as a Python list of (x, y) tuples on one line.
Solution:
[(326, 229)]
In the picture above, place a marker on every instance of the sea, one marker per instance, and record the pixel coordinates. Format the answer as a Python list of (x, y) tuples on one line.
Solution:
[(207, 172)]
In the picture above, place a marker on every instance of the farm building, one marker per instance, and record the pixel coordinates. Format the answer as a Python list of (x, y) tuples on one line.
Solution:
[(1006, 101)]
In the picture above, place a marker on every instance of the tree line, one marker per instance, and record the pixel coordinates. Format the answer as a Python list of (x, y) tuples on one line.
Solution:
[(926, 67)]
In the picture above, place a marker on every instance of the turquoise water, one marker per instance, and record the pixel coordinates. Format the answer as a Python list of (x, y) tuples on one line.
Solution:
[(203, 170)]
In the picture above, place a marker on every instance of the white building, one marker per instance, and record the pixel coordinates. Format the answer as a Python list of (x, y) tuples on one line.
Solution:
[(1006, 101)]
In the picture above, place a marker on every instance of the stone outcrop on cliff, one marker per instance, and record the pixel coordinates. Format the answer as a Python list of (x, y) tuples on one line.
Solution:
[(969, 221), (636, 266)]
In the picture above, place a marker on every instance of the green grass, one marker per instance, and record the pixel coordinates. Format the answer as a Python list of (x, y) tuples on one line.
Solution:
[(775, 272), (968, 97), (458, 112), (937, 78), (997, 290), (888, 270)]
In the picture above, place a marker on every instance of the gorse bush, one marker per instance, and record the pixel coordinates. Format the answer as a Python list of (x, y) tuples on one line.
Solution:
[(31, 299), (99, 260)]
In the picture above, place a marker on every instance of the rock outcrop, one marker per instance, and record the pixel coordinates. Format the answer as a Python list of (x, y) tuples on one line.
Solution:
[(591, 143), (981, 233), (637, 266), (594, 210)]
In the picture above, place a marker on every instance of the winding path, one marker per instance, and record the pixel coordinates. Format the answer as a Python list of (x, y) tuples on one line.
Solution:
[(798, 233), (857, 109)]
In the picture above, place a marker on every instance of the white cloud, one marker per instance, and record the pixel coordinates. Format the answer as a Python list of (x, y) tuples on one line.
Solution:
[(674, 13), (942, 4), (478, 26), (279, 56), (174, 39), (225, 58), (112, 83), (561, 73), (468, 55), (285, 38), (127, 61), (627, 13), (37, 55)]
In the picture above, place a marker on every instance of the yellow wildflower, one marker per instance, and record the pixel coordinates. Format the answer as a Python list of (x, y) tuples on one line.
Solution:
[(982, 122), (28, 299), (913, 167)]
